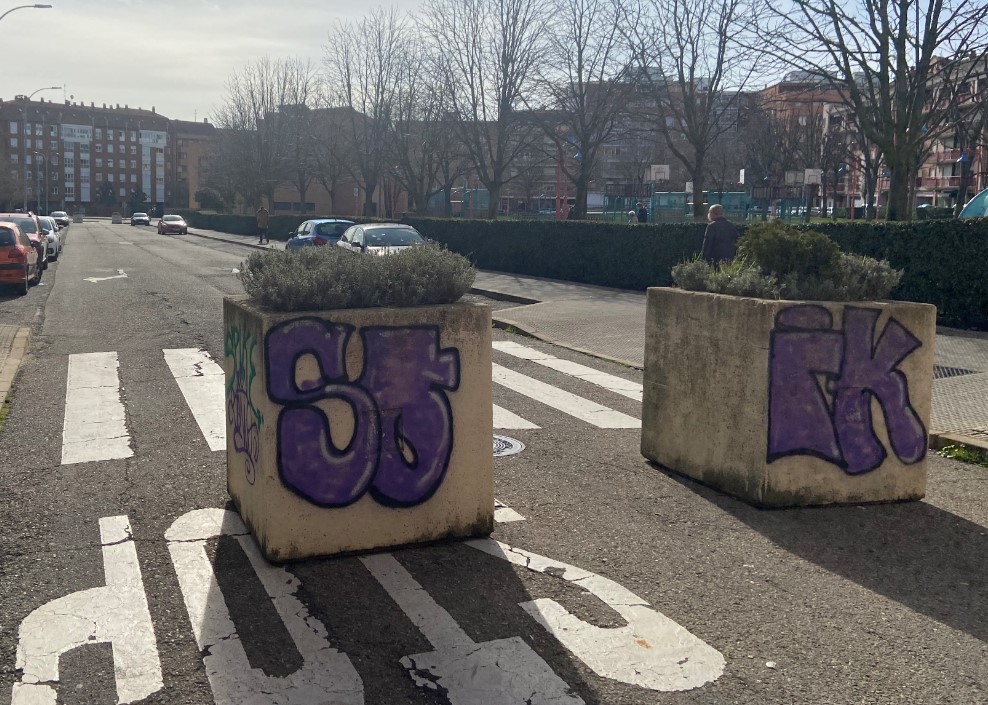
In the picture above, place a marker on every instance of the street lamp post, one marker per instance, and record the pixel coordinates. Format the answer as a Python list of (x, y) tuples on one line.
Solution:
[(46, 88), (23, 7)]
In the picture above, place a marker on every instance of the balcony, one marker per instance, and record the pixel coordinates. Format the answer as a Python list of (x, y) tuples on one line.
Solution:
[(931, 183), (947, 155)]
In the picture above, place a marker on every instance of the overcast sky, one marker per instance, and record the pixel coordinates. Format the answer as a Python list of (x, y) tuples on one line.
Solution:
[(173, 54)]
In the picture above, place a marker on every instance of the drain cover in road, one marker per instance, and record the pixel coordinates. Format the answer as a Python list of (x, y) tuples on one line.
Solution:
[(507, 446)]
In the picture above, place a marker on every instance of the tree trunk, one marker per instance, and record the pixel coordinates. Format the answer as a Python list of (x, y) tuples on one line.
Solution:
[(899, 183), (370, 208), (699, 212), (494, 192), (448, 200), (962, 189)]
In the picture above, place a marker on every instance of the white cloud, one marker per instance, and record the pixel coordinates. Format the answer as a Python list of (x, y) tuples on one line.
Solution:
[(174, 55)]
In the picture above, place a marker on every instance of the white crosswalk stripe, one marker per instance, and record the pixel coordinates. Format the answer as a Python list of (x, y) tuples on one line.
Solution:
[(94, 427), (202, 383), (583, 409), (504, 419), (610, 382)]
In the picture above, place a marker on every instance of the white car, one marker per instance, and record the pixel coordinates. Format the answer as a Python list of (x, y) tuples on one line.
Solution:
[(380, 238), (52, 230)]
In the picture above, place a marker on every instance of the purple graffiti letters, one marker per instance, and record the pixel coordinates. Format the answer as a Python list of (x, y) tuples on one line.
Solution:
[(837, 426), (403, 423), (308, 460), (405, 372)]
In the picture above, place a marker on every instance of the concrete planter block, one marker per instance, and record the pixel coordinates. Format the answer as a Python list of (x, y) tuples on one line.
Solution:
[(359, 429), (789, 403)]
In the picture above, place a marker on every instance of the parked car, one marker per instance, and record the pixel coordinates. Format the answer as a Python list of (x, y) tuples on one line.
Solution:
[(18, 258), (317, 233), (50, 228), (380, 238), (29, 224), (172, 224), (140, 219), (116, 219), (62, 218)]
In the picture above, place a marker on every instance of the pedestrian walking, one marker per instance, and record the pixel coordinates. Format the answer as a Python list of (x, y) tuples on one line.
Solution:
[(262, 226), (632, 217), (720, 240), (642, 213)]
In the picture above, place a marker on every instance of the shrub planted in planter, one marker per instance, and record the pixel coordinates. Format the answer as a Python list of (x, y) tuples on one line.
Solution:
[(359, 409)]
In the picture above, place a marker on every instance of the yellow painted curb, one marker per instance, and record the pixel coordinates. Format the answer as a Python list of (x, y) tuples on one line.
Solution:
[(18, 351)]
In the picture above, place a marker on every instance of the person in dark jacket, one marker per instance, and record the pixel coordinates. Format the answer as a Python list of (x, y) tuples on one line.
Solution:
[(720, 241), (642, 213)]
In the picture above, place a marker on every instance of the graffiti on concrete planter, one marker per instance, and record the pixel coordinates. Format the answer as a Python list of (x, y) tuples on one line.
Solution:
[(822, 382), (402, 435), (245, 418)]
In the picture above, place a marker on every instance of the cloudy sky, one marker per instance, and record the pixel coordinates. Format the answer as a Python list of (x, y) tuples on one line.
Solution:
[(173, 54)]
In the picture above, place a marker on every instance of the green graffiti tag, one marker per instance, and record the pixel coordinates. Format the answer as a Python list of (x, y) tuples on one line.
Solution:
[(245, 418)]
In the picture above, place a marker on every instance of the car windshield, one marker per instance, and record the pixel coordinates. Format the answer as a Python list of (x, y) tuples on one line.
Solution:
[(399, 237), (331, 229), (7, 237), (59, 214), (27, 224), (173, 219), (140, 215)]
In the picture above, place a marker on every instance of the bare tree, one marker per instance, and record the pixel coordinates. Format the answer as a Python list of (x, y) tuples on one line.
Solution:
[(486, 52), (583, 73), (330, 155), (366, 64), (260, 132), (696, 57), (885, 59)]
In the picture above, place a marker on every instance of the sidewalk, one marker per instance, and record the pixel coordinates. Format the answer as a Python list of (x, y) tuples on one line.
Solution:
[(609, 324), (13, 347)]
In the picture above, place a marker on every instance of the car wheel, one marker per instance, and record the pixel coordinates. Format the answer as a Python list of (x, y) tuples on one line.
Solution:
[(24, 286), (185, 232), (37, 274)]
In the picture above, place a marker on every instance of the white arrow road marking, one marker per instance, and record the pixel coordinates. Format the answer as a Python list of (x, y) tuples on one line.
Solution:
[(584, 409), (613, 383), (202, 383), (326, 675), (116, 614), (94, 427), (503, 514), (121, 274), (652, 651), (500, 672)]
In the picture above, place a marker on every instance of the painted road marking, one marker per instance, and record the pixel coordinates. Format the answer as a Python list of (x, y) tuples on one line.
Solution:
[(94, 427), (652, 651), (326, 674), (503, 514), (507, 419), (116, 614), (202, 383), (119, 275), (613, 383), (500, 672), (583, 409)]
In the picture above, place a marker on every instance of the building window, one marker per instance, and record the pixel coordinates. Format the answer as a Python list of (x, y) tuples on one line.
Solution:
[(13, 158), (70, 176), (84, 163), (99, 177), (133, 178), (53, 144), (99, 148), (52, 131), (109, 148), (69, 190), (27, 128), (54, 190), (13, 127), (27, 158), (99, 133), (133, 163), (123, 192), (133, 136), (84, 179), (13, 141), (28, 175), (99, 163), (54, 159), (27, 144), (84, 147), (69, 161), (133, 149), (122, 178), (109, 163)]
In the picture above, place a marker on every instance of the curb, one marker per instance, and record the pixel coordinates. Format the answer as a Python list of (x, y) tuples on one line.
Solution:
[(501, 296), (939, 441), (9, 368), (232, 242), (504, 323)]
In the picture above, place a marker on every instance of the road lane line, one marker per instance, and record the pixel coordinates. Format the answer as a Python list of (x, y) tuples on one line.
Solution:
[(612, 383), (583, 409), (202, 383), (506, 419), (94, 427)]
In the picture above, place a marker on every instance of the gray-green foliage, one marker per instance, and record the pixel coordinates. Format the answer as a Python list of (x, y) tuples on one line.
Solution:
[(320, 278), (854, 278)]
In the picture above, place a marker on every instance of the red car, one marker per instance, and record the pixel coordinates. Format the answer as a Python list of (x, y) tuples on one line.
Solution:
[(173, 224), (30, 226), (18, 258)]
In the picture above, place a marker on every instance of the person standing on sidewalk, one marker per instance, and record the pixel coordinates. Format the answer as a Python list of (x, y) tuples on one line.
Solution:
[(262, 225), (720, 241)]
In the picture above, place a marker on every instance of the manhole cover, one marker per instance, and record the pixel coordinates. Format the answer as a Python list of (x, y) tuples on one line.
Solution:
[(507, 446)]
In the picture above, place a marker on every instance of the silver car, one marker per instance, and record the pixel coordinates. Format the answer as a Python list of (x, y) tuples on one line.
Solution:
[(52, 230), (380, 238)]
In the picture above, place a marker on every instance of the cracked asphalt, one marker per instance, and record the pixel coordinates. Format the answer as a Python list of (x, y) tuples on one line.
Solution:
[(848, 606)]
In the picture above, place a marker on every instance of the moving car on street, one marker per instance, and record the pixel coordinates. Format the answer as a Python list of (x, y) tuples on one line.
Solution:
[(317, 233), (62, 218), (30, 226), (18, 258), (140, 219), (172, 225), (380, 238)]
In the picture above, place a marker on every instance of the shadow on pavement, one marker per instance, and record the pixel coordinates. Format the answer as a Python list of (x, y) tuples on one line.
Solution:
[(919, 555)]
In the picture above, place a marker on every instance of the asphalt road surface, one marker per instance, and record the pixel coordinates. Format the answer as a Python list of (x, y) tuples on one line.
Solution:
[(125, 578)]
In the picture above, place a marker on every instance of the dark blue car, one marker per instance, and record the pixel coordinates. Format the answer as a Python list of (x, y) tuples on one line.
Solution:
[(316, 233)]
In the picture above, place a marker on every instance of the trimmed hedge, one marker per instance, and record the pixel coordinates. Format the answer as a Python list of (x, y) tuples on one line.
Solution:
[(945, 261)]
